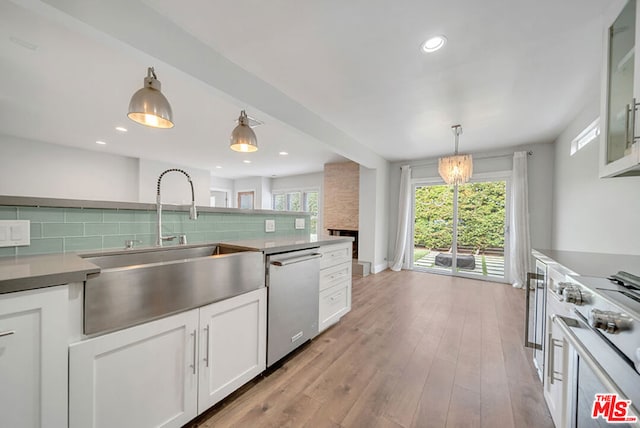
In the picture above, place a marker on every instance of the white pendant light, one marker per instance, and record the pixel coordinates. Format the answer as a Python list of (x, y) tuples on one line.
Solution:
[(148, 106), (243, 139), (456, 169)]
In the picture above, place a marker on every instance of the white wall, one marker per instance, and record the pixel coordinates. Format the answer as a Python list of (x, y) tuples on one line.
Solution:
[(298, 182), (218, 183), (31, 168), (540, 176), (175, 187), (592, 214), (260, 185), (373, 234)]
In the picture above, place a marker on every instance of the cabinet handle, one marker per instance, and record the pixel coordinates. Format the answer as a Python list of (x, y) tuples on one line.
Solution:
[(193, 366), (7, 333), (555, 343), (634, 107), (207, 354), (630, 111), (527, 313)]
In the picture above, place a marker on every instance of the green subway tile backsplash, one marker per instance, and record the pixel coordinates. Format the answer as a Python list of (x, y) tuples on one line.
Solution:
[(55, 230), (8, 213), (80, 215), (62, 229), (7, 252), (101, 229), (42, 246), (82, 244), (53, 215)]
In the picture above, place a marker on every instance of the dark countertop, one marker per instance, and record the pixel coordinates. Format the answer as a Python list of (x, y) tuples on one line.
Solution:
[(31, 272), (588, 264)]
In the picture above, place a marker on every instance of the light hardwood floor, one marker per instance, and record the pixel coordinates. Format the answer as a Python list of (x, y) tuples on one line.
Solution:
[(417, 350)]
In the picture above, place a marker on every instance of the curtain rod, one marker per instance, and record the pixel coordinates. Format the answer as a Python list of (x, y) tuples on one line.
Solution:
[(433, 162)]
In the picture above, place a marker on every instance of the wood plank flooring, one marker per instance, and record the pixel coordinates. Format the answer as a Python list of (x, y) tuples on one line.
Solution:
[(417, 350)]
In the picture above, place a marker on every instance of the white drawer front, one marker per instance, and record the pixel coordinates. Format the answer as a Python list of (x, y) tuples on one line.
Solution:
[(335, 254), (334, 275), (334, 302)]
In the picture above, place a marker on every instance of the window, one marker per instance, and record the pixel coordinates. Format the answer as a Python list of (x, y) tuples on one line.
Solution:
[(245, 200), (299, 200), (589, 134)]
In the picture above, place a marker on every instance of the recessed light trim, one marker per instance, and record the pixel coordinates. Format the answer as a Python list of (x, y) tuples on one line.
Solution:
[(218, 167), (246, 161), (121, 129), (434, 43), (102, 143), (283, 153)]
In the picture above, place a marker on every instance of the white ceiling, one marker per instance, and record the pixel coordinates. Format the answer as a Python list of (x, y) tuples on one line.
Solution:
[(327, 77)]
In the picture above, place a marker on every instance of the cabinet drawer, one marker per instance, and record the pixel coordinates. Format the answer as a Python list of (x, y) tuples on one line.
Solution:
[(335, 254), (334, 302), (334, 275)]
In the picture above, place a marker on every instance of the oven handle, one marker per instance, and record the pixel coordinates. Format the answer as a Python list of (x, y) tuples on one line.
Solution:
[(587, 357), (293, 260)]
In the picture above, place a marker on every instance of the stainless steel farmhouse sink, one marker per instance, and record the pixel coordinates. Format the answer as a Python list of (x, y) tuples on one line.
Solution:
[(135, 286)]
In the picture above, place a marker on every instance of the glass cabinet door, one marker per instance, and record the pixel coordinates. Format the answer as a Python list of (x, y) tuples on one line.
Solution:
[(620, 70)]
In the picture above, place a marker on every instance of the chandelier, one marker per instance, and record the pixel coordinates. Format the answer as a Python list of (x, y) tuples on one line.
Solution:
[(456, 169)]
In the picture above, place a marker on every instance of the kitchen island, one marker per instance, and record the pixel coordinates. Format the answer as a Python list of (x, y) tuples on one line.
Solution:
[(219, 346)]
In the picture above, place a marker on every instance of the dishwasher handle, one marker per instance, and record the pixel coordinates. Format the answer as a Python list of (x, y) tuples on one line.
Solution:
[(298, 259)]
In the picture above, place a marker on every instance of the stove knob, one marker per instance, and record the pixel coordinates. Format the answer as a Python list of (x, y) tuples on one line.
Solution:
[(560, 287), (611, 322), (573, 294)]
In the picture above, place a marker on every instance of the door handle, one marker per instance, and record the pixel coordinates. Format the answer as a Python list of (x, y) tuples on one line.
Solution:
[(527, 313), (7, 333)]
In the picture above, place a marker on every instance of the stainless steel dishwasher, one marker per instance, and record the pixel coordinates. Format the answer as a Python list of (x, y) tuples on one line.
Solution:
[(293, 284)]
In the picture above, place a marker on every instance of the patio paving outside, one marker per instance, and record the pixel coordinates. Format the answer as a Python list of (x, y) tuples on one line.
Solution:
[(495, 264)]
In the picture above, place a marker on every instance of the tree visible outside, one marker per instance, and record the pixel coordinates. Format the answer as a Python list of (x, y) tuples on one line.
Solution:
[(481, 215)]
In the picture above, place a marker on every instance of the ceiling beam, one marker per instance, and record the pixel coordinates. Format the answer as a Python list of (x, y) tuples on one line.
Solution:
[(141, 27)]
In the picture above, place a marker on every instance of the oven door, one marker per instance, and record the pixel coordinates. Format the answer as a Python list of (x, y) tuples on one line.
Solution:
[(597, 372)]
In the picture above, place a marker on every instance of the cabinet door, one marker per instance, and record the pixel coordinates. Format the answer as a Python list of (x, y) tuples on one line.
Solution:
[(234, 347), (620, 90), (555, 373), (33, 358), (144, 376), (334, 303)]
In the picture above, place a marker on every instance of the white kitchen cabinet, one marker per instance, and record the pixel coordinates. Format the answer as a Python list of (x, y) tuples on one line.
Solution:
[(619, 147), (165, 372), (233, 345), (556, 358), (335, 284), (143, 376), (33, 358)]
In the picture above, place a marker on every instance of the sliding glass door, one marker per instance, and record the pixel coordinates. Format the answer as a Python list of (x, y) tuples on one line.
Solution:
[(461, 230)]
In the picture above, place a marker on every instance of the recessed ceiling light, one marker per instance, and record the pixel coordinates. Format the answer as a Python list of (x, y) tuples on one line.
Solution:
[(121, 129), (283, 153), (434, 43), (218, 167), (246, 161), (102, 143)]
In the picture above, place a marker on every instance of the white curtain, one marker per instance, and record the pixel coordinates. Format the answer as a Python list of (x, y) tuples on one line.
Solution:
[(519, 238), (404, 210)]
